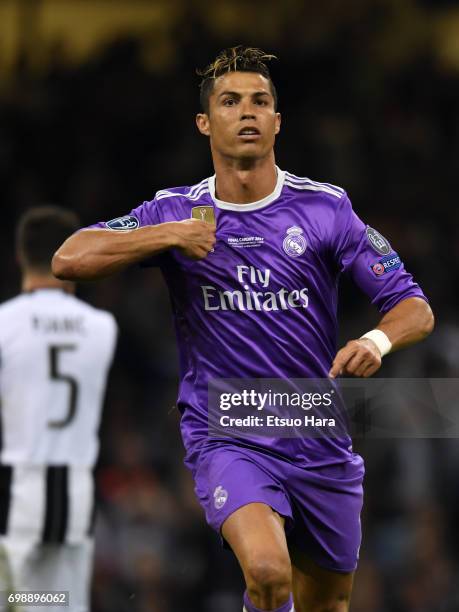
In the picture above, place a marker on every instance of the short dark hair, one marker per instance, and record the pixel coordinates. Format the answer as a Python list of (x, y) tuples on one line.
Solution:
[(234, 59), (40, 232)]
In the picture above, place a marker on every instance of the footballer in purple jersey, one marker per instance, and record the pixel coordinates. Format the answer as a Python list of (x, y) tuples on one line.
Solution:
[(252, 258)]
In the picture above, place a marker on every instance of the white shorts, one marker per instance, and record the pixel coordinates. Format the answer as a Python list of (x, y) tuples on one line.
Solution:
[(26, 566)]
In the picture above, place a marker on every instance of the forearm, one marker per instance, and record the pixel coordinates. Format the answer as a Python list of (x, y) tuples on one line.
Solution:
[(407, 323), (96, 253), (410, 321)]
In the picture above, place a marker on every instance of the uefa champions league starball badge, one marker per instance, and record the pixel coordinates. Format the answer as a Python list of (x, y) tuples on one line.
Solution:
[(294, 242), (220, 497)]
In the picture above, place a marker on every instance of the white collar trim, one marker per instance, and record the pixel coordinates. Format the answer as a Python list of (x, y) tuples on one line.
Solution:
[(252, 205)]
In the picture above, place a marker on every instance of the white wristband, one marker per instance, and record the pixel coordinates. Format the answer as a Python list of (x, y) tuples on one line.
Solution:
[(380, 339)]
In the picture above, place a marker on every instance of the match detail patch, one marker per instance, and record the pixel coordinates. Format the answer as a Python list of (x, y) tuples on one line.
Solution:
[(386, 264), (378, 242), (128, 222)]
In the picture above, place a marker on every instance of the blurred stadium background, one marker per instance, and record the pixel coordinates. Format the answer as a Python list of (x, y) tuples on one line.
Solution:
[(97, 103)]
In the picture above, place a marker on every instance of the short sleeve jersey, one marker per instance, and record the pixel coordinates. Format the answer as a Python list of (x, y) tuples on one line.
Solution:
[(55, 353), (263, 303)]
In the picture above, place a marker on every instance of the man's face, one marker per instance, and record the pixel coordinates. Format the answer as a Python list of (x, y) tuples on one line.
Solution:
[(242, 122)]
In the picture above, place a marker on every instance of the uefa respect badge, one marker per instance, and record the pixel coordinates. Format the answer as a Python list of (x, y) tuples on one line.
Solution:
[(386, 264)]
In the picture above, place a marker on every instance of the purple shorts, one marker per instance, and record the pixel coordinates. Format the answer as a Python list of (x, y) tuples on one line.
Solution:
[(321, 505)]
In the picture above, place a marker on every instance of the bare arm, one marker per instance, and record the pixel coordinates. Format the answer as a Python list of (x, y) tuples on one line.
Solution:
[(408, 322), (96, 253)]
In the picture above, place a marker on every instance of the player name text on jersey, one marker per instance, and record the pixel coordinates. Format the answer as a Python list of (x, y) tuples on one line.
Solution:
[(58, 325)]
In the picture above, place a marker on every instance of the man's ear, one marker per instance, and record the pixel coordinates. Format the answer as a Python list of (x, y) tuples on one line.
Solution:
[(278, 123), (202, 121)]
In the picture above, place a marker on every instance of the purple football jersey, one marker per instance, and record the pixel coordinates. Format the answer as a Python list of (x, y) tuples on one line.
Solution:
[(263, 303)]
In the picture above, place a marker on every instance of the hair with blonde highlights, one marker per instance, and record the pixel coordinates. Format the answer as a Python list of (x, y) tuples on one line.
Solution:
[(234, 59)]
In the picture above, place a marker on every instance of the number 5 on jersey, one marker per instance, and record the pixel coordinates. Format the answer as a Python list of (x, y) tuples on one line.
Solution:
[(55, 374)]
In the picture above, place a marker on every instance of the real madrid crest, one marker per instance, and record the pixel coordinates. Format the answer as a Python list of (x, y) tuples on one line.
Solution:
[(294, 242)]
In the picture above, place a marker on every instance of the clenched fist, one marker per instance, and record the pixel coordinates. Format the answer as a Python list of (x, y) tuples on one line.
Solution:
[(358, 358), (193, 238)]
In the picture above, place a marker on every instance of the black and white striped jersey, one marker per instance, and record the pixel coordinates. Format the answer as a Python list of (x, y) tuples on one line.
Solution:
[(55, 353)]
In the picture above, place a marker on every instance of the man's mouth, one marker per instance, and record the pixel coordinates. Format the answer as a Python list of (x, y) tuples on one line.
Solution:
[(249, 132)]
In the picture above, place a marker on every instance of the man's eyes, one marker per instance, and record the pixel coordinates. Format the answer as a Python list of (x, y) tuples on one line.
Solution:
[(232, 102)]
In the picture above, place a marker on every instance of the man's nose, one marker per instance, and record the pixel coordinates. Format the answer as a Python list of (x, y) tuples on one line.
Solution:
[(247, 110)]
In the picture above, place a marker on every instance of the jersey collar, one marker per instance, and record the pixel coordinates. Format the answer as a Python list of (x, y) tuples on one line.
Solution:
[(45, 290), (252, 205)]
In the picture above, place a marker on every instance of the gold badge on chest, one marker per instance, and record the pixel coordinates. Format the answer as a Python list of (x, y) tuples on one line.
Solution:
[(203, 213)]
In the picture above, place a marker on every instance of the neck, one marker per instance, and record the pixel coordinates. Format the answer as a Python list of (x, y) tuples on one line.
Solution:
[(244, 181), (42, 280)]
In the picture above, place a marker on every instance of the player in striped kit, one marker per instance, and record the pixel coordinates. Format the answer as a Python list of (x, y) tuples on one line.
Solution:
[(254, 294), (55, 353)]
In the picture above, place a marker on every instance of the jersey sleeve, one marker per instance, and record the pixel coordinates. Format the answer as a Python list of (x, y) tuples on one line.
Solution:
[(145, 214), (370, 260)]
